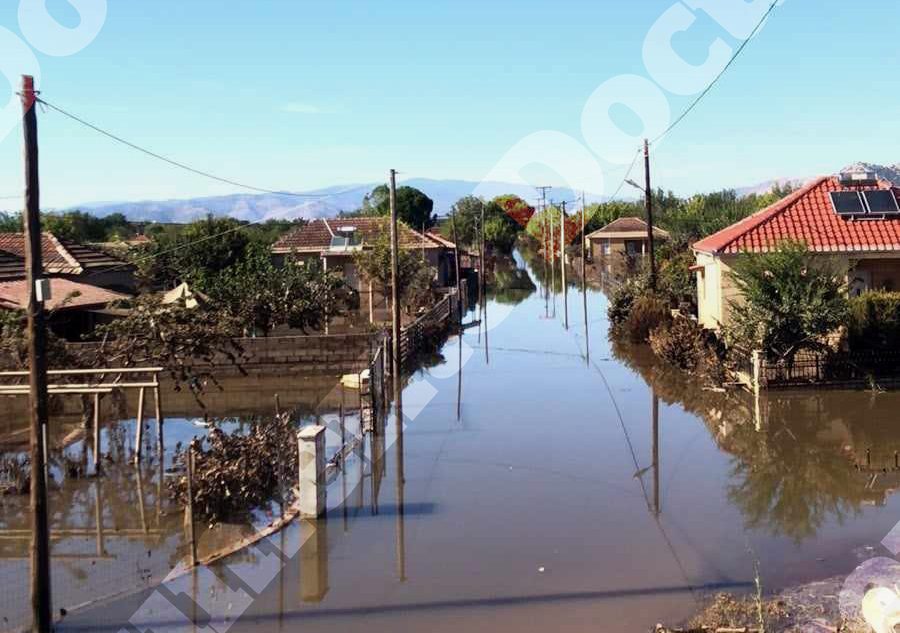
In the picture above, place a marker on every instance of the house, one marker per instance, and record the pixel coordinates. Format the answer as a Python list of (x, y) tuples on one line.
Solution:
[(626, 236), (335, 241), (74, 308), (854, 218), (66, 260)]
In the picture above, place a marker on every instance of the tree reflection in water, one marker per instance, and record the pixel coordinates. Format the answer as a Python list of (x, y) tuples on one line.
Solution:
[(799, 459)]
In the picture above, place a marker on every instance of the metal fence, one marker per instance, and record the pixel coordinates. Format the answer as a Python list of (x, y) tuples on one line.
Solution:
[(838, 369), (417, 335)]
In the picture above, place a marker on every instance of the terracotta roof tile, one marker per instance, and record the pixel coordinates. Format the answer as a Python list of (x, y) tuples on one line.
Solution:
[(14, 294), (807, 215), (316, 235), (61, 257)]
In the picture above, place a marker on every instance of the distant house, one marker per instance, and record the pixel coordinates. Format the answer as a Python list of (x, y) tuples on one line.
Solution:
[(852, 217), (66, 260), (75, 309), (335, 241), (624, 236)]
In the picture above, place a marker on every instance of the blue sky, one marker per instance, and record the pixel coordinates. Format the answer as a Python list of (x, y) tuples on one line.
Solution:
[(293, 94)]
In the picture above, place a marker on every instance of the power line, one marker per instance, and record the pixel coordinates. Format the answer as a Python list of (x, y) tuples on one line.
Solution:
[(627, 174), (721, 73), (188, 168)]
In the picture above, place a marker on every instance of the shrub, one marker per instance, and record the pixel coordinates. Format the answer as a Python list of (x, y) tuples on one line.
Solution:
[(623, 297), (647, 313), (791, 300), (687, 346), (874, 321)]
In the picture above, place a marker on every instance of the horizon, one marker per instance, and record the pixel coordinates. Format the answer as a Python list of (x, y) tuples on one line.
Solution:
[(322, 113)]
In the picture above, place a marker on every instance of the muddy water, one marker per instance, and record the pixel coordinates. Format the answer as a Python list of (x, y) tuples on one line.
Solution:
[(566, 483), (121, 533)]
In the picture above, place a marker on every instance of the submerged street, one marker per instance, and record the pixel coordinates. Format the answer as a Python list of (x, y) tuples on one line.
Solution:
[(524, 495)]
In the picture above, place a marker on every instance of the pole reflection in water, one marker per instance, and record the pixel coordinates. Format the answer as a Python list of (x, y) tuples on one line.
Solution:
[(139, 483), (400, 485), (487, 354), (587, 337), (655, 417), (459, 378)]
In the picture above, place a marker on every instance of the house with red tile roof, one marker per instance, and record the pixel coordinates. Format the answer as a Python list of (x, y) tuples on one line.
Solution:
[(623, 236), (66, 259), (854, 218), (334, 242)]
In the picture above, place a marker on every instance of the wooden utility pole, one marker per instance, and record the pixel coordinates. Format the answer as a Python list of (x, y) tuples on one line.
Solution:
[(395, 291), (583, 241), (562, 262), (483, 267), (459, 299), (648, 202), (37, 365)]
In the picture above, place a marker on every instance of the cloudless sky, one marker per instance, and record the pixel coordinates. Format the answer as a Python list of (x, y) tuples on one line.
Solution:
[(296, 94)]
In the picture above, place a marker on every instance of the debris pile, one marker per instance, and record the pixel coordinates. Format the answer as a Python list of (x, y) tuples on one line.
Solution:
[(238, 473)]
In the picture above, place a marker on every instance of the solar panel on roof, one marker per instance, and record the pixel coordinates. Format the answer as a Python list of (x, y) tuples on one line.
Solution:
[(882, 202), (847, 203)]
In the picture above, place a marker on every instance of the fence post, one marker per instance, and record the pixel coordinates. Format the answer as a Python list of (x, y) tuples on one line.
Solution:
[(96, 433), (757, 371), (311, 444), (192, 535), (139, 431)]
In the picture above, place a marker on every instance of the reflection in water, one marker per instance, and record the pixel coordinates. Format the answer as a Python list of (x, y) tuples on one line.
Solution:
[(615, 503), (799, 459)]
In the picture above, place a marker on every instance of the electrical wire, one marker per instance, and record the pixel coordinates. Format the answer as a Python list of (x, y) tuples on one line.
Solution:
[(627, 174), (716, 79), (186, 167)]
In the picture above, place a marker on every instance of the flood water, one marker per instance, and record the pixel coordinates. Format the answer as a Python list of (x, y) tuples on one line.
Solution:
[(562, 482)]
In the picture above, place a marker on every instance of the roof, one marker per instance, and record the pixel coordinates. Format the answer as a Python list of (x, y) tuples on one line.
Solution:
[(315, 236), (60, 257), (807, 216), (440, 239), (627, 227), (64, 295)]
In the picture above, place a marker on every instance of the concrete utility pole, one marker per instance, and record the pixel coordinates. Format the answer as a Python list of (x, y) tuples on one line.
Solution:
[(648, 201), (395, 292), (37, 363)]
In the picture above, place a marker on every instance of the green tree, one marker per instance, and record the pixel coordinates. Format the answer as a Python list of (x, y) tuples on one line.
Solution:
[(195, 254), (413, 207), (790, 299), (260, 296), (415, 275), (81, 227), (10, 222)]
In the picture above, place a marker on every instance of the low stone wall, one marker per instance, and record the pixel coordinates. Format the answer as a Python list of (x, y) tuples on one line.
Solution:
[(318, 354), (336, 353)]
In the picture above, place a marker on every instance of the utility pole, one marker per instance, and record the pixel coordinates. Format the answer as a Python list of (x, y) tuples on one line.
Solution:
[(583, 241), (395, 292), (648, 195), (37, 365), (562, 262), (481, 285)]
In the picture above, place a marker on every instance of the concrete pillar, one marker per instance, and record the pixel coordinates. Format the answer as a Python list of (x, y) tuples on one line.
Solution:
[(311, 442)]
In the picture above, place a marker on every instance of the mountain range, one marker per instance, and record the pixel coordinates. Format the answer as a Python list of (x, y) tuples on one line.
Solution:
[(331, 201), (318, 203)]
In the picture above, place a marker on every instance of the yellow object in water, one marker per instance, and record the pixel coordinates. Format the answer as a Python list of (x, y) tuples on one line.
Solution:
[(355, 381)]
